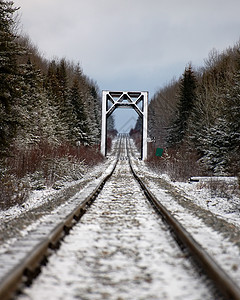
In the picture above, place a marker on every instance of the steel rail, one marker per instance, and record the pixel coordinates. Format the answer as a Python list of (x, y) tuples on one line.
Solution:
[(220, 279), (30, 264)]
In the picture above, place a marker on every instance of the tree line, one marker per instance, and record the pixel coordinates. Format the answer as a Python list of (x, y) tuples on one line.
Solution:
[(199, 114), (50, 115), (40, 100)]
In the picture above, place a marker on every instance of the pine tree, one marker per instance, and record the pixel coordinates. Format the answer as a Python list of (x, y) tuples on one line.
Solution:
[(232, 124), (215, 147), (110, 123), (39, 117), (138, 126), (9, 76), (79, 126), (55, 87), (187, 96), (92, 121), (66, 107), (92, 109)]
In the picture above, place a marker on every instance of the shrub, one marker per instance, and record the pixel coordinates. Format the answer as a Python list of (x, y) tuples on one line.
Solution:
[(12, 191), (43, 165), (178, 163), (220, 188)]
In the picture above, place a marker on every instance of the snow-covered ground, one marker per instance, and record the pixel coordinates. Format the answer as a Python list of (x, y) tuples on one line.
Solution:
[(202, 221), (119, 250), (222, 203), (40, 197)]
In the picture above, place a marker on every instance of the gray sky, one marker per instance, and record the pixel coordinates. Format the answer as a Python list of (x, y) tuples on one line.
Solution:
[(131, 44)]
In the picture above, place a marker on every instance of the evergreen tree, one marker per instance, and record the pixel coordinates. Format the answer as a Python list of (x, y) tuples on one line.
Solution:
[(55, 86), (138, 126), (66, 107), (232, 125), (187, 96), (92, 120), (92, 109), (9, 76), (39, 118), (79, 127), (215, 147), (111, 123)]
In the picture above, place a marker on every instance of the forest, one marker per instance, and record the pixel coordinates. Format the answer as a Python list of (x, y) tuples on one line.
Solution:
[(50, 114), (196, 119)]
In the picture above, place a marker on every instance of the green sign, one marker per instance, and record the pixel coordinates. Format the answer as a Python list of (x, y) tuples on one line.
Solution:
[(159, 152)]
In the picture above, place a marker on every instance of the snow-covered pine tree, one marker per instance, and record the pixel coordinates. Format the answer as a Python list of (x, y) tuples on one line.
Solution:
[(96, 110), (79, 127), (92, 109), (39, 118), (92, 122), (232, 124), (55, 87), (67, 115), (9, 76)]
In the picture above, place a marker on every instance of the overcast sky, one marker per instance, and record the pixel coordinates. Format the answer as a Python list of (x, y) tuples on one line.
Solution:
[(131, 44)]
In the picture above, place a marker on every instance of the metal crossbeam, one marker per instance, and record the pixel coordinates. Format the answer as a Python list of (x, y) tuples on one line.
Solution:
[(117, 99)]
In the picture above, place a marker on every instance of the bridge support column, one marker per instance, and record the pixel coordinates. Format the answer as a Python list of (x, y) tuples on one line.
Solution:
[(104, 124), (145, 125)]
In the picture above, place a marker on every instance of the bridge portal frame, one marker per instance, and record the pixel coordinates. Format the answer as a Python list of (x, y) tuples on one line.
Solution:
[(112, 100)]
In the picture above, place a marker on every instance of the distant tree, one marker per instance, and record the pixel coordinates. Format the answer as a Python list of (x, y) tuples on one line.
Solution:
[(111, 123), (187, 97), (162, 109), (138, 125)]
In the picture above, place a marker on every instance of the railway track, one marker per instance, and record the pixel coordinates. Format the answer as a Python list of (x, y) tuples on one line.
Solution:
[(123, 251)]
